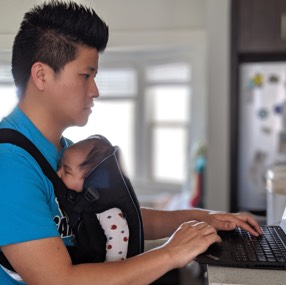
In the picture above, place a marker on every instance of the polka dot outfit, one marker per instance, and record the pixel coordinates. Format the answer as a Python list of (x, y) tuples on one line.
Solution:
[(117, 233)]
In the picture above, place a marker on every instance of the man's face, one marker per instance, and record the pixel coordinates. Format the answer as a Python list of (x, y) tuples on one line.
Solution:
[(71, 93)]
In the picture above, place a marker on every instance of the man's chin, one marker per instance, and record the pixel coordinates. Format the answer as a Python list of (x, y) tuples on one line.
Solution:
[(81, 124), (82, 121)]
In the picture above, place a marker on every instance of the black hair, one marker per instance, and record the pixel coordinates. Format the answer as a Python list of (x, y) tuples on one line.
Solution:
[(51, 33), (101, 149)]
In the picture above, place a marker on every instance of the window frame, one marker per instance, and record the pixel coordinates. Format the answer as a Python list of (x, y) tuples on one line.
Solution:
[(169, 58)]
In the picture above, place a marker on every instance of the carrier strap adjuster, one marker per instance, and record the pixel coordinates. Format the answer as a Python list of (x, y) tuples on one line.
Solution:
[(89, 196)]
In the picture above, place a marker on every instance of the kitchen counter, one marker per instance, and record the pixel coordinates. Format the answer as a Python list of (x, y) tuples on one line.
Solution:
[(241, 276)]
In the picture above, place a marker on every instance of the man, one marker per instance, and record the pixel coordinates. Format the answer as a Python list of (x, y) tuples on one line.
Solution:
[(55, 60)]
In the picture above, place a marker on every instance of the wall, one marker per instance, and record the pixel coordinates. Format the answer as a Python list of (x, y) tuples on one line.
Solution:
[(131, 22), (218, 12)]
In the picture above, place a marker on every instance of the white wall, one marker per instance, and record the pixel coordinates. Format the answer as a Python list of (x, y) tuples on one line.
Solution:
[(131, 22), (170, 23), (218, 12)]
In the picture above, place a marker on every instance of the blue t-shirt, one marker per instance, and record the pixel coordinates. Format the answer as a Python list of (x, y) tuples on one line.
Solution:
[(28, 206)]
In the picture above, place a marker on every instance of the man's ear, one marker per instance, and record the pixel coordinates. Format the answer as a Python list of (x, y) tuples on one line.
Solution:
[(38, 74)]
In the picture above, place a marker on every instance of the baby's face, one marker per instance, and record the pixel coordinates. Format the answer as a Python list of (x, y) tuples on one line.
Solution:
[(69, 170)]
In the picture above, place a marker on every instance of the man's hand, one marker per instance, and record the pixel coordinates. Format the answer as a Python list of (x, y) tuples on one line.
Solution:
[(227, 221), (189, 240)]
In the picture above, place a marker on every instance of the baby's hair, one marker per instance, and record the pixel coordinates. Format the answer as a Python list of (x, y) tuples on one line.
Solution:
[(101, 148)]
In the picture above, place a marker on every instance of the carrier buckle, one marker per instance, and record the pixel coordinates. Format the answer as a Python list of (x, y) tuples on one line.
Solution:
[(91, 195)]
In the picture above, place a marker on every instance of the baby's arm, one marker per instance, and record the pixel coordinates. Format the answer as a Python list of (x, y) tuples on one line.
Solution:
[(117, 233)]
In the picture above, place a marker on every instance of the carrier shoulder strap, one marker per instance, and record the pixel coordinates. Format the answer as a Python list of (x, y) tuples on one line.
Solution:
[(17, 138), (14, 137)]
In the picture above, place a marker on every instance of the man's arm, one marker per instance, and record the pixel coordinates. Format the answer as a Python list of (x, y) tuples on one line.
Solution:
[(161, 224), (46, 261)]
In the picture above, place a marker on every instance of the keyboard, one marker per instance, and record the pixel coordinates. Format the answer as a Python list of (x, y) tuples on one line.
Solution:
[(267, 247)]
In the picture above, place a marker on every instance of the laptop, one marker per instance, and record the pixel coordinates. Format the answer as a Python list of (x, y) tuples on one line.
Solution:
[(240, 249)]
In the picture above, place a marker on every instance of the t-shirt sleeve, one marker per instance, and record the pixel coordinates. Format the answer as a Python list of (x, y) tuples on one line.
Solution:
[(26, 194)]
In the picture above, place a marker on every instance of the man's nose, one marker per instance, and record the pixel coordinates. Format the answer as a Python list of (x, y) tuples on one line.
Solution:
[(93, 90)]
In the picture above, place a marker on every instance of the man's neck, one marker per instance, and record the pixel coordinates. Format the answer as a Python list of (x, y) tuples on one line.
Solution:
[(44, 123)]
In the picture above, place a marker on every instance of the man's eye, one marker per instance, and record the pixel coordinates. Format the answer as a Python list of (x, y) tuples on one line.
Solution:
[(85, 75)]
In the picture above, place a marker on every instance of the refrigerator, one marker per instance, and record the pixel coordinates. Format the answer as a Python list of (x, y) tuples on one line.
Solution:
[(262, 87)]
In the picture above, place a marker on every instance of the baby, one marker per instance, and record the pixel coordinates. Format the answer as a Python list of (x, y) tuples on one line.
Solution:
[(77, 162)]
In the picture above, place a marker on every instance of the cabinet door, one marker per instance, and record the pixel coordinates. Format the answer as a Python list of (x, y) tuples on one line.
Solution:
[(260, 25)]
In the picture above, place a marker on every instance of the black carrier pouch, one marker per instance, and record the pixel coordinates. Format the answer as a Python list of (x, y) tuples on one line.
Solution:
[(81, 208)]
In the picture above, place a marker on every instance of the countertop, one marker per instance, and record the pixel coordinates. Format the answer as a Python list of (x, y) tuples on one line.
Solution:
[(241, 276)]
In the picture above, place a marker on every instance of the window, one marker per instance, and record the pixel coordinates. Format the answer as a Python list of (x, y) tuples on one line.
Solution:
[(8, 96), (168, 108), (8, 99)]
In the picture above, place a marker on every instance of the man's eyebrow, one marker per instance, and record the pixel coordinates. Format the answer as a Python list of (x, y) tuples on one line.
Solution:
[(92, 69)]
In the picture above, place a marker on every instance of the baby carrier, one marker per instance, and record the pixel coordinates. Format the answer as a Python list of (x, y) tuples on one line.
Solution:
[(106, 187)]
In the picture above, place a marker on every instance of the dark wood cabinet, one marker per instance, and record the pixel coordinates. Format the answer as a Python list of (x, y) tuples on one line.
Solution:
[(261, 25)]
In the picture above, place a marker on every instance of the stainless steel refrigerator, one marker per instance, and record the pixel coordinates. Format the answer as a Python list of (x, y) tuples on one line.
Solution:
[(262, 89)]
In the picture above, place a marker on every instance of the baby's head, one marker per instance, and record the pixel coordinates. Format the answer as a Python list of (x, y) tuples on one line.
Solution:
[(81, 158)]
